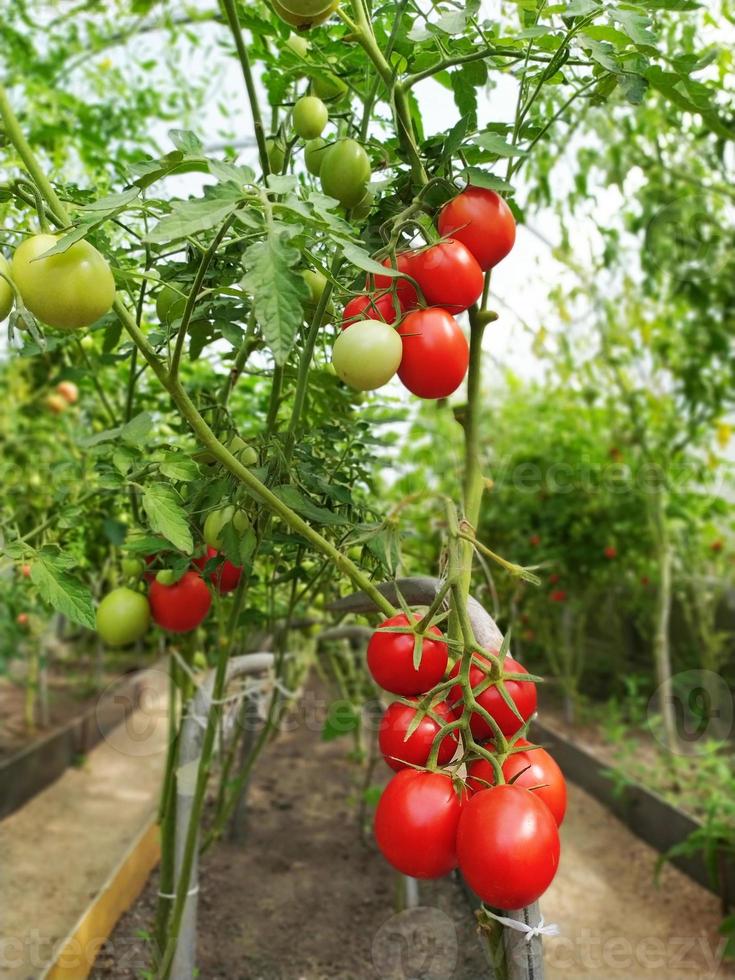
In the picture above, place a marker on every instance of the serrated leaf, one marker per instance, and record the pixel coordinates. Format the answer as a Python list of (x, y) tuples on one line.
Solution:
[(185, 141), (167, 517), (635, 26), (360, 258), (189, 218), (111, 203), (497, 145), (123, 458), (481, 178), (62, 591), (306, 508), (177, 466), (278, 292), (135, 432)]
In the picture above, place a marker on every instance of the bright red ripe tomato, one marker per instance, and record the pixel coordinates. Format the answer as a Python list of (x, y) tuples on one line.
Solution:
[(390, 659), (405, 290), (522, 693), (448, 275), (507, 846), (435, 353), (226, 576), (370, 308), (181, 607), (482, 221), (398, 751), (536, 768), (416, 823)]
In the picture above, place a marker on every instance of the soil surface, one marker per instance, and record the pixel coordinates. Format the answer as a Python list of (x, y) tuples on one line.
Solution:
[(304, 898)]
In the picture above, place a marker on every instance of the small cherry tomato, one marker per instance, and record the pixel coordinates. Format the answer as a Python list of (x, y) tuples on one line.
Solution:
[(482, 221), (399, 751), (522, 693), (416, 823), (69, 391), (435, 353), (390, 656)]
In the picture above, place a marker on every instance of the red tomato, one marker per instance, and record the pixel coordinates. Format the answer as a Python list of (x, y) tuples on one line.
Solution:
[(435, 353), (507, 846), (405, 290), (371, 307), (181, 607), (537, 769), (390, 659), (416, 823), (448, 275), (522, 693), (482, 221), (398, 751), (611, 551), (226, 576)]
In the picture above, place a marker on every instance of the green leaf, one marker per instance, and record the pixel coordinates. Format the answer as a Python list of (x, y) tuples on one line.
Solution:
[(497, 145), (635, 26), (62, 591), (177, 466), (278, 291), (306, 508), (342, 719), (481, 178), (189, 218), (359, 257), (167, 517), (136, 431)]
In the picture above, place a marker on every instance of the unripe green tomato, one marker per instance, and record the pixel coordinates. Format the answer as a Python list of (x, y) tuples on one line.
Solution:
[(310, 116), (6, 292), (132, 567), (199, 661), (123, 617), (330, 89), (298, 44), (316, 282), (69, 290), (367, 354), (242, 451), (298, 13), (88, 343), (345, 172), (314, 154), (363, 209), (276, 155), (169, 304), (166, 577), (218, 519)]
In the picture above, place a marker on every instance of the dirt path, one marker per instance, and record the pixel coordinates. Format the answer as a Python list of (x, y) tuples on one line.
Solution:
[(303, 899)]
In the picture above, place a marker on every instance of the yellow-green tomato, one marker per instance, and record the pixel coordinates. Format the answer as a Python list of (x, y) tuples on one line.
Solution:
[(345, 172), (68, 290), (276, 155), (217, 520), (367, 354), (310, 116), (303, 14), (132, 567), (314, 154), (329, 88), (298, 44), (6, 292), (169, 304), (123, 617), (316, 282), (239, 448)]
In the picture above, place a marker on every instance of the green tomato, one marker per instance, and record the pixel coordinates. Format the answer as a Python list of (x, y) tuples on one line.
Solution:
[(363, 209), (329, 88), (314, 154), (132, 567), (199, 661), (316, 282), (310, 116), (298, 44), (169, 304), (276, 155), (123, 617), (239, 448), (166, 577), (303, 14), (88, 343), (69, 290), (345, 172), (217, 520), (6, 291), (367, 354)]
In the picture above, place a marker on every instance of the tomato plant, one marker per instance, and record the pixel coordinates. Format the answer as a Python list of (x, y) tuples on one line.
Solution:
[(416, 823), (435, 353), (507, 846), (403, 662), (399, 751)]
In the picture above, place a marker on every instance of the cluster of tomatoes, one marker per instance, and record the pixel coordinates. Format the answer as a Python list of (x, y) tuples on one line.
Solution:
[(64, 394), (176, 605), (427, 347), (503, 836)]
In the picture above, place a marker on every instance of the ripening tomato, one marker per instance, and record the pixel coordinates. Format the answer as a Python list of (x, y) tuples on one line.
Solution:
[(367, 355), (68, 290), (55, 403), (25, 570), (345, 172), (370, 308), (310, 116), (69, 391), (507, 846), (226, 576), (399, 751), (217, 520), (22, 619), (522, 693), (122, 617), (448, 275), (416, 823), (435, 353), (482, 221), (404, 288), (7, 297), (535, 770), (390, 655), (181, 607)]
